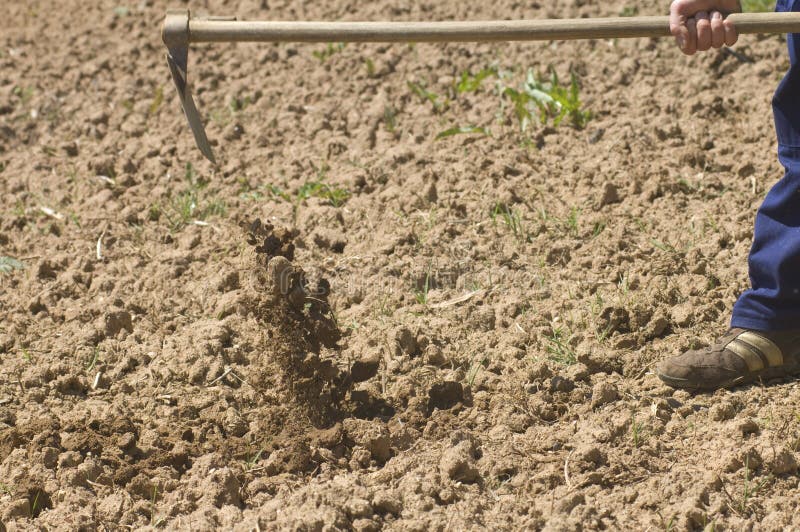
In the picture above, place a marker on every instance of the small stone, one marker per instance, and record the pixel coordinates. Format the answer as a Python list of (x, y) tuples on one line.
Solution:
[(682, 315), (50, 457), (117, 321), (721, 411), (279, 270), (610, 195), (387, 501), (458, 463), (365, 525), (366, 367), (748, 426), (783, 463), (358, 507), (560, 384), (434, 355), (406, 342), (371, 435), (126, 441), (69, 459), (603, 393), (444, 395)]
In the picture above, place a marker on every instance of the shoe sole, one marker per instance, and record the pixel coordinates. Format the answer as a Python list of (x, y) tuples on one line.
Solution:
[(764, 374)]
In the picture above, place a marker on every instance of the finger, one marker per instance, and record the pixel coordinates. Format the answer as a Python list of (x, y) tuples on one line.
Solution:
[(677, 25), (731, 35), (703, 31), (717, 30), (691, 38)]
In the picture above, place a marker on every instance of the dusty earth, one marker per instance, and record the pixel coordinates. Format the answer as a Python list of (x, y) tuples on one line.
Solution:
[(350, 324)]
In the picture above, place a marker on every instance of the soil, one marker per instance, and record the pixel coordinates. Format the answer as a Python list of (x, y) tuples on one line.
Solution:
[(349, 324)]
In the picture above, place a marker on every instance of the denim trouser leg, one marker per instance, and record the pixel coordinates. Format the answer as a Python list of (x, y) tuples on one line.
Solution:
[(773, 302)]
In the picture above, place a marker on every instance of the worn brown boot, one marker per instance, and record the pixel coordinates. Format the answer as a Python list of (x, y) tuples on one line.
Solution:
[(739, 357)]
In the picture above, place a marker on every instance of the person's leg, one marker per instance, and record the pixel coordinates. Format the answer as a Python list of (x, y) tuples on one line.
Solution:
[(764, 340), (773, 302)]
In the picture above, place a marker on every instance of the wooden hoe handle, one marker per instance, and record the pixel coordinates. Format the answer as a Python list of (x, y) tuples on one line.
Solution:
[(477, 31)]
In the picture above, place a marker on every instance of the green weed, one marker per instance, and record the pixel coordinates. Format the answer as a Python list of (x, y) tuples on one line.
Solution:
[(637, 431), (9, 264), (369, 64), (329, 51), (90, 365), (390, 118), (464, 130), (511, 218), (629, 11), (742, 504), (550, 99), (25, 94), (317, 188), (251, 463), (475, 367), (158, 99), (155, 521), (471, 83), (421, 296), (189, 205), (558, 348), (439, 104)]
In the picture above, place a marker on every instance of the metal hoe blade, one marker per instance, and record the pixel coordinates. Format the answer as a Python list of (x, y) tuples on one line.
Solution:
[(175, 35)]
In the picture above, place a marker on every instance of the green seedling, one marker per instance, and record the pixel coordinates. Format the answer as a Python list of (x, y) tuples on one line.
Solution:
[(571, 221), (369, 64), (421, 296), (471, 83), (464, 130), (439, 105), (329, 51), (637, 431), (669, 248), (189, 205), (336, 196), (25, 94), (390, 118), (559, 349), (251, 463), (629, 11), (552, 101), (749, 490), (158, 99), (155, 521), (475, 367), (511, 218), (90, 365), (239, 104), (35, 504), (598, 228), (9, 264)]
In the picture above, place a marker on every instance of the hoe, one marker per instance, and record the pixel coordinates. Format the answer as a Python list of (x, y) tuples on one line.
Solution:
[(180, 30)]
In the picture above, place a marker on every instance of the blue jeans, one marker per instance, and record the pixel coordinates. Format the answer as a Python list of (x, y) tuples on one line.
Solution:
[(773, 301)]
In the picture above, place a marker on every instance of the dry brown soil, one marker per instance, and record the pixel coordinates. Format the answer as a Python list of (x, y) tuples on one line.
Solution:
[(337, 328)]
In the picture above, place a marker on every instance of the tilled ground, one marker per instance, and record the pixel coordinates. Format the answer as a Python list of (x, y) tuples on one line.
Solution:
[(352, 324)]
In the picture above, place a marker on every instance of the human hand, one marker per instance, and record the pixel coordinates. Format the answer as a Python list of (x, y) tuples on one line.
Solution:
[(701, 24)]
